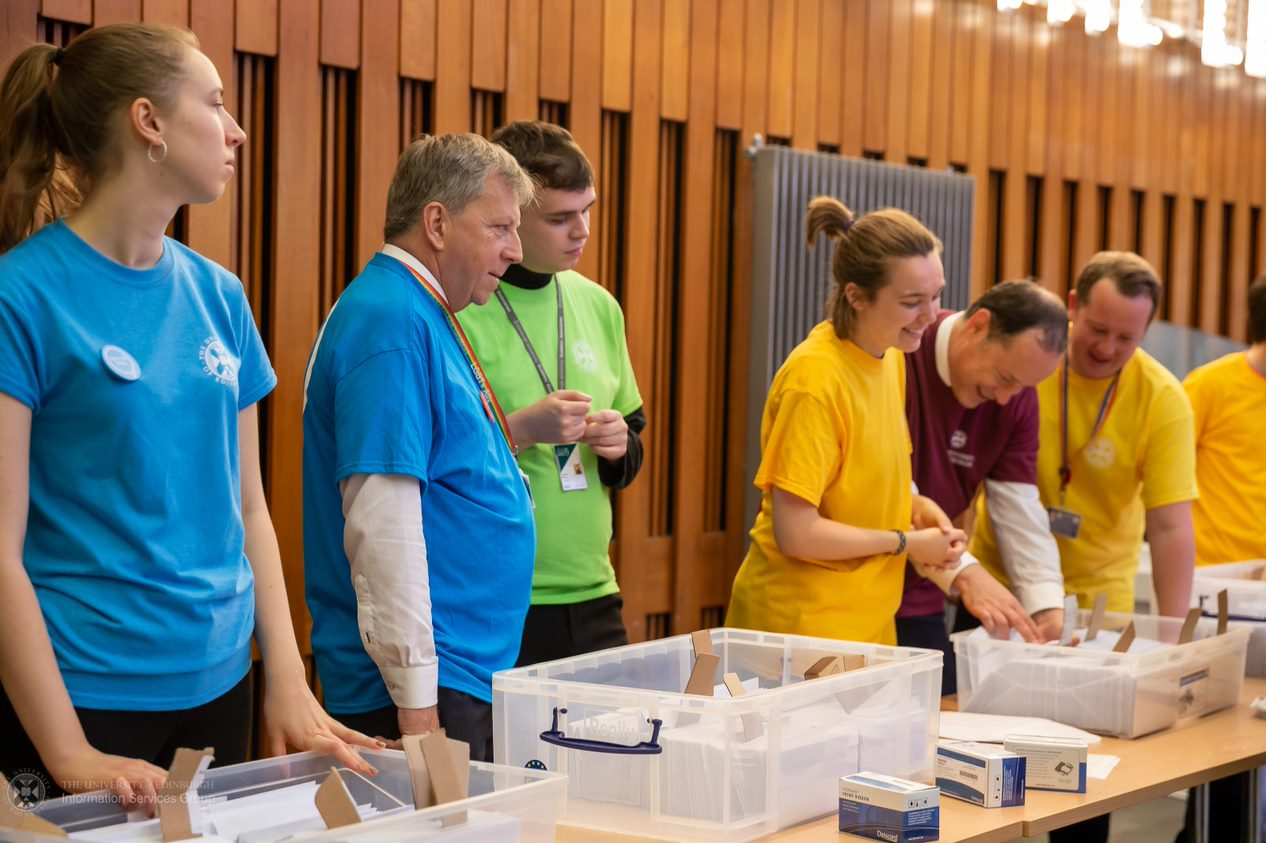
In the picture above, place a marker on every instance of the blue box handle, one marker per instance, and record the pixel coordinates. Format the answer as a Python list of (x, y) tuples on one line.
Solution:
[(555, 736)]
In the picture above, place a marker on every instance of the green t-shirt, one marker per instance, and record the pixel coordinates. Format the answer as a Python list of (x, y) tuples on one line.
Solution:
[(573, 529)]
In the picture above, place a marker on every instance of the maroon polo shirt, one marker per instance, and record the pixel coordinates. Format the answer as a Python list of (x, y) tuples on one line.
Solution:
[(956, 449)]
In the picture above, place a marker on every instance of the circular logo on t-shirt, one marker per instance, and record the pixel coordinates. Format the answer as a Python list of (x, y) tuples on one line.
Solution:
[(584, 355), (958, 440), (217, 362), (121, 364), (1100, 452)]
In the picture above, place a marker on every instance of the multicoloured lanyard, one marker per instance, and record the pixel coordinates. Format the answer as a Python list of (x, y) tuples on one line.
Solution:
[(1105, 407), (492, 407)]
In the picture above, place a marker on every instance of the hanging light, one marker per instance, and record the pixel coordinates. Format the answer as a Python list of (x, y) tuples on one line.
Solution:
[(1009, 5), (1255, 48), (1214, 49), (1060, 11), (1133, 27), (1098, 16)]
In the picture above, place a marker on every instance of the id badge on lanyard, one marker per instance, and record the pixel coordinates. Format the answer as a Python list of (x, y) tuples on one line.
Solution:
[(1065, 522)]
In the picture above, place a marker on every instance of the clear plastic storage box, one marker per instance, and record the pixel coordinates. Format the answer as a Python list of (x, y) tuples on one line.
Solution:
[(1123, 694), (640, 755), (505, 805), (1246, 603)]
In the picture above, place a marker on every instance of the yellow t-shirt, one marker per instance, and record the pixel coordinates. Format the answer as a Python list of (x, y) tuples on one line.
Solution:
[(833, 433), (1143, 458), (1228, 397)]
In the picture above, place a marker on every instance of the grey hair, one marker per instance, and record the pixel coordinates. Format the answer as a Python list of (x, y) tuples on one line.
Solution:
[(451, 170)]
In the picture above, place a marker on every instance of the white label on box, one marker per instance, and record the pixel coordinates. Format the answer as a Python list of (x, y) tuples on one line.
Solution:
[(1193, 692)]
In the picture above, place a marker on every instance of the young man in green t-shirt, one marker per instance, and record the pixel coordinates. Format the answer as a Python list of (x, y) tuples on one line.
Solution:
[(552, 344)]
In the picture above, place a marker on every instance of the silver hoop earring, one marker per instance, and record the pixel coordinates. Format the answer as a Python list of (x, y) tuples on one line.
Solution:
[(149, 153)]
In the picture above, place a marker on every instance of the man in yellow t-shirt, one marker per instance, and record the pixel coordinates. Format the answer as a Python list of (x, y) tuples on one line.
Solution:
[(1228, 397), (1121, 458)]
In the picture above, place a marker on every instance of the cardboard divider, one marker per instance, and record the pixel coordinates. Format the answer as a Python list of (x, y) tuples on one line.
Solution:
[(438, 768), (335, 803), (1223, 611), (177, 800), (1126, 639), (752, 727), (1189, 626), (1096, 616)]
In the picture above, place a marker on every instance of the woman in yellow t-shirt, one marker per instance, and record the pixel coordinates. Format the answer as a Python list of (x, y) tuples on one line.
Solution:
[(830, 541)]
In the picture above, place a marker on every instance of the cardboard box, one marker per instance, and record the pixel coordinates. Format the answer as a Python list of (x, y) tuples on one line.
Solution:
[(1051, 763), (981, 773), (888, 808)]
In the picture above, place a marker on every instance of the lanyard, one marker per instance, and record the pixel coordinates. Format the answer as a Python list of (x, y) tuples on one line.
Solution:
[(531, 350), (491, 406), (1109, 398)]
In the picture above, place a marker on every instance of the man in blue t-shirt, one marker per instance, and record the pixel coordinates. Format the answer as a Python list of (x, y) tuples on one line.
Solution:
[(418, 532)]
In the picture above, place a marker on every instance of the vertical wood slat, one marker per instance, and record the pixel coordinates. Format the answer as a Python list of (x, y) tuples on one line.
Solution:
[(804, 126), (115, 11), (379, 123), (257, 24), (586, 108), (488, 45), (756, 69), (171, 12), (675, 60), (617, 55), (418, 38), (70, 11), (524, 60), (210, 226), (555, 36), (452, 56), (730, 39), (340, 33), (875, 126), (17, 28), (782, 69), (829, 72), (897, 149), (295, 297), (853, 107), (918, 105)]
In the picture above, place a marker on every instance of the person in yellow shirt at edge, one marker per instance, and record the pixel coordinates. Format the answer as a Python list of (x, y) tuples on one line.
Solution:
[(1228, 397), (829, 545), (1121, 458)]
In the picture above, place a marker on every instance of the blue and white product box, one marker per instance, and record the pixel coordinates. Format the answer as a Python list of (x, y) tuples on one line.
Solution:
[(982, 773), (888, 808), (1051, 763)]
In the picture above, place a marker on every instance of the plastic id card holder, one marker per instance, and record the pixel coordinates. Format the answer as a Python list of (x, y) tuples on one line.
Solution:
[(1064, 522)]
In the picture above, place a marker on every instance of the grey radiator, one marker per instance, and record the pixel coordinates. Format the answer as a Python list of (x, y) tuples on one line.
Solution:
[(790, 283)]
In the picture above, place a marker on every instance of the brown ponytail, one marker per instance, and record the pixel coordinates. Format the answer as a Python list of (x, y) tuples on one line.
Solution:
[(865, 248), (57, 112)]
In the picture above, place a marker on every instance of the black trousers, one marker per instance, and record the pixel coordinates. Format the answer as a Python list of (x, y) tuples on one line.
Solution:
[(1229, 801), (572, 629), (463, 717), (153, 736), (928, 631)]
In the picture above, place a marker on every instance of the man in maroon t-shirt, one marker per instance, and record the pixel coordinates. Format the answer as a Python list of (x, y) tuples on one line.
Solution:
[(972, 409)]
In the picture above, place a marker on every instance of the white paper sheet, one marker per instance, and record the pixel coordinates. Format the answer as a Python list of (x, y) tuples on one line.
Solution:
[(992, 728), (1099, 766)]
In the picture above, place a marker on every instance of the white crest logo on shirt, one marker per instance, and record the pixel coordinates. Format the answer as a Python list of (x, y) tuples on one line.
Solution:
[(584, 356), (958, 440), (1101, 453), (217, 362)]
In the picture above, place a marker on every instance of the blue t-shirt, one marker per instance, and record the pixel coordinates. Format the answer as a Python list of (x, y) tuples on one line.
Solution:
[(134, 540), (390, 391)]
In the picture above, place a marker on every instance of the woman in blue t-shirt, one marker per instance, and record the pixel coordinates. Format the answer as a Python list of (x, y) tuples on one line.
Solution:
[(137, 555)]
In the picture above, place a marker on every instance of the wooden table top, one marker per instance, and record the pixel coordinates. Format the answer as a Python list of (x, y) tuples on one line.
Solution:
[(1193, 752)]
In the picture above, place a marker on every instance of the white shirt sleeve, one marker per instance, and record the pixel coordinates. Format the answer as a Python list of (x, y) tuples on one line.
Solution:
[(944, 579), (382, 537), (1029, 552)]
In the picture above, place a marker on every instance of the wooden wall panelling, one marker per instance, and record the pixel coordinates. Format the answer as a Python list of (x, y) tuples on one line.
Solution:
[(675, 60), (918, 102), (70, 11), (340, 33), (1234, 309), (1036, 96), (174, 12), (524, 61), (830, 72), (452, 74), (804, 117), (210, 226), (1088, 110), (642, 578), (756, 61), (697, 578), (980, 56), (1054, 232), (256, 22), (782, 69), (336, 126), (1119, 147), (378, 122), (585, 108), (488, 44), (17, 28), (418, 38), (115, 11), (897, 147), (556, 49), (853, 107), (878, 44), (730, 39), (1219, 110), (941, 88), (294, 296), (964, 20), (1014, 137), (1179, 284), (617, 55)]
